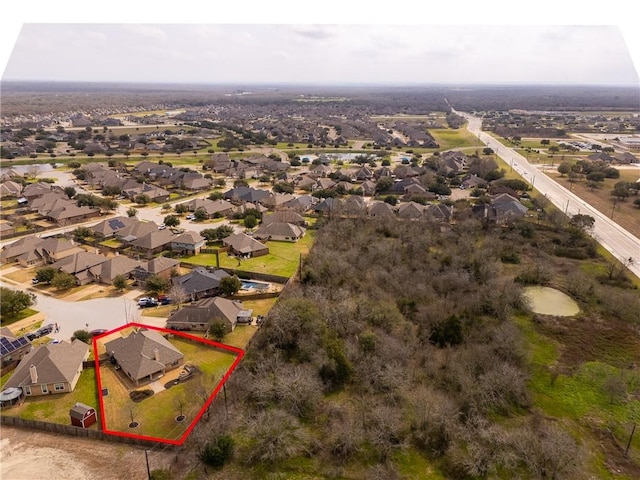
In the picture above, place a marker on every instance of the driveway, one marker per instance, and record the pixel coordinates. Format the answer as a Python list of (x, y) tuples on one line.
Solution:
[(107, 313)]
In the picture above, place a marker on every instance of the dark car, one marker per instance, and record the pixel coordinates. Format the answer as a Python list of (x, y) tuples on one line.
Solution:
[(46, 330), (32, 335), (97, 331)]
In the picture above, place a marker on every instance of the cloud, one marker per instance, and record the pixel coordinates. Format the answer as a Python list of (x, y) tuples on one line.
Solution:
[(197, 53)]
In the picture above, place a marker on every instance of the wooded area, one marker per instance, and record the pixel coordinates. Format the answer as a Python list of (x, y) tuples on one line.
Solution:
[(401, 340)]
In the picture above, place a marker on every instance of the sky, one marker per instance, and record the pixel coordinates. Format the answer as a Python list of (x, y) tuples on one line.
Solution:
[(258, 43)]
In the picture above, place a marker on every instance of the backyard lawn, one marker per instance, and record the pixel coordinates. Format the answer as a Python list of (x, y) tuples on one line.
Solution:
[(156, 415), (55, 408), (283, 258)]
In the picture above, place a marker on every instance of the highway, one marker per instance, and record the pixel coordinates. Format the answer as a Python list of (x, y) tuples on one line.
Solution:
[(618, 241)]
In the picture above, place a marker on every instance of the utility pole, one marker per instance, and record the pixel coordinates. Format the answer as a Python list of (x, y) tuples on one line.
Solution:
[(146, 456), (626, 451)]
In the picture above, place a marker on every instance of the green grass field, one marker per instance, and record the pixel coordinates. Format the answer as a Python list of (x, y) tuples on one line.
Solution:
[(283, 258), (55, 408), (156, 414), (459, 138)]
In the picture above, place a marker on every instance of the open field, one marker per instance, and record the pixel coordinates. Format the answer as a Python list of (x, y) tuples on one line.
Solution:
[(625, 213), (458, 138)]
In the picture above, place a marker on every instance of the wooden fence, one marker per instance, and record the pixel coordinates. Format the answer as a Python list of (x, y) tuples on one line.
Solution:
[(78, 432)]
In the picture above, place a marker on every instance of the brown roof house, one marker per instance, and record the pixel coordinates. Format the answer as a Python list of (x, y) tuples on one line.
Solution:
[(144, 355), (282, 231), (50, 369), (32, 251), (107, 271), (198, 315), (244, 245), (153, 242), (79, 265), (188, 243), (161, 266)]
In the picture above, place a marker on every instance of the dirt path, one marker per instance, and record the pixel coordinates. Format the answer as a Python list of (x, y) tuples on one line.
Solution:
[(29, 455)]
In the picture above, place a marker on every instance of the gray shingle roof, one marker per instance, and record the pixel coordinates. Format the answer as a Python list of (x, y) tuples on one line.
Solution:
[(55, 363), (136, 353)]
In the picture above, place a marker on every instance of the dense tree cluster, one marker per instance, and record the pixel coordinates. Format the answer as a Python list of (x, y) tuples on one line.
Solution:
[(399, 337)]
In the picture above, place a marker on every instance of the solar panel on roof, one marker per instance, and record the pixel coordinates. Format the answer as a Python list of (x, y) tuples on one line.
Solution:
[(7, 346), (116, 223)]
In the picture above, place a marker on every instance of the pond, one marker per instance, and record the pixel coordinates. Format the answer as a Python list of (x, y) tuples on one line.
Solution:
[(549, 301)]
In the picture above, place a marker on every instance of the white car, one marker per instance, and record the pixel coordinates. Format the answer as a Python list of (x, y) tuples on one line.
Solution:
[(162, 226), (191, 217)]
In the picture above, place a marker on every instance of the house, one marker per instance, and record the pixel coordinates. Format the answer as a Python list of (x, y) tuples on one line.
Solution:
[(6, 229), (508, 207), (200, 282), (354, 205), (82, 415), (152, 243), (439, 212), (10, 189), (108, 228), (240, 195), (161, 266), (328, 205), (380, 209), (35, 190), (188, 243), (301, 203), (72, 214), (625, 157), (198, 315), (286, 216), (473, 181), (213, 208), (244, 245), (411, 210), (144, 355), (79, 265), (32, 251), (282, 231), (12, 348), (50, 369), (276, 200), (107, 271), (601, 156)]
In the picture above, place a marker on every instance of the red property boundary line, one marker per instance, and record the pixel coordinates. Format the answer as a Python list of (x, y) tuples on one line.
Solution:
[(238, 351)]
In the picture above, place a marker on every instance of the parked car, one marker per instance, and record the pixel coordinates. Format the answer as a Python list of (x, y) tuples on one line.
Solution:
[(162, 226), (164, 300), (145, 300), (46, 330), (97, 331), (191, 216), (150, 302), (32, 335), (35, 281)]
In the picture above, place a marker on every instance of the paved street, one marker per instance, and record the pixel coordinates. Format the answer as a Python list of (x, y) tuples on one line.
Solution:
[(618, 241)]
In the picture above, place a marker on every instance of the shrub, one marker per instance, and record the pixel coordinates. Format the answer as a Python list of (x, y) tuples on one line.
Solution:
[(218, 451), (139, 395)]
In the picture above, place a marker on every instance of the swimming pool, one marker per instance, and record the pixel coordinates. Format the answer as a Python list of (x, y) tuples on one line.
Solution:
[(248, 285)]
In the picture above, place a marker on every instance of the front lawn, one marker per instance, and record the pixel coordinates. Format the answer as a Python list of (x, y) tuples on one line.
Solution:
[(26, 313)]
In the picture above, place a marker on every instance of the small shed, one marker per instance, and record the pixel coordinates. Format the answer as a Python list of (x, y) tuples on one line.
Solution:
[(82, 415)]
